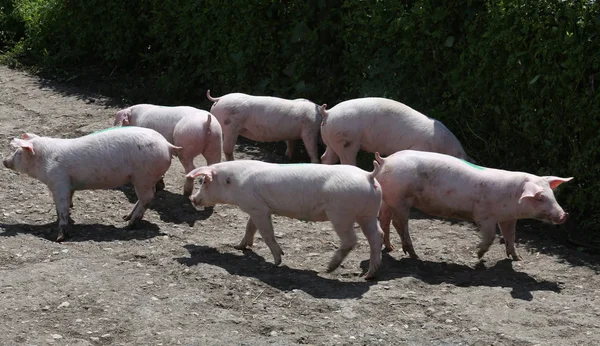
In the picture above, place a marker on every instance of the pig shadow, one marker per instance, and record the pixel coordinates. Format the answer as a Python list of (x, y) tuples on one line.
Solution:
[(560, 241), (501, 274), (282, 278), (171, 207), (84, 232), (273, 152)]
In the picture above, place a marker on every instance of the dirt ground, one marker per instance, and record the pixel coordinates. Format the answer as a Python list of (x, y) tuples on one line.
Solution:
[(177, 280)]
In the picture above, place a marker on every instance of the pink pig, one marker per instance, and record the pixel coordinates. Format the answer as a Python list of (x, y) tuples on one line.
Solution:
[(444, 186), (341, 194), (383, 125), (195, 130), (101, 160), (267, 119)]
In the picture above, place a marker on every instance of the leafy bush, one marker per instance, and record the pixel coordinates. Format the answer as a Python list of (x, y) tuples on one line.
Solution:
[(514, 80)]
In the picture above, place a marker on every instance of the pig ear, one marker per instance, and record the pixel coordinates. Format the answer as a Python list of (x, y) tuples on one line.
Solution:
[(122, 117), (555, 181), (21, 143), (205, 172), (29, 136), (530, 190)]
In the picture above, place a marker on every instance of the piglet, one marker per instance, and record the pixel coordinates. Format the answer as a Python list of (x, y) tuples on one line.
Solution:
[(444, 186), (383, 125), (195, 130), (267, 119), (310, 192), (101, 160)]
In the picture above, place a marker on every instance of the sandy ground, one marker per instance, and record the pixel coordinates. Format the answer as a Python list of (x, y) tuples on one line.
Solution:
[(177, 280)]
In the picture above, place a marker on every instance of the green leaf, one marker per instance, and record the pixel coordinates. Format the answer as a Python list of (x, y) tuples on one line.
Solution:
[(449, 41), (535, 79)]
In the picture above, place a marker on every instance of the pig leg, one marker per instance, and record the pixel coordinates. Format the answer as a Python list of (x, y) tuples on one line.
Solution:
[(508, 229), (343, 226), (212, 155), (290, 150), (385, 219), (400, 222), (71, 198), (374, 236), (230, 138), (265, 227), (248, 239), (310, 141), (348, 154), (145, 195), (160, 185), (488, 233), (188, 165), (329, 157), (61, 201)]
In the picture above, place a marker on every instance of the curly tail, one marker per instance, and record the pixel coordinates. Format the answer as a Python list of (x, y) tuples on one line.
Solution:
[(212, 99), (175, 151), (376, 170)]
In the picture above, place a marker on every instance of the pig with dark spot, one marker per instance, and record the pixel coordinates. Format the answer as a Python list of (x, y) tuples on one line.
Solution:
[(342, 194), (383, 125), (444, 186), (267, 119), (197, 131), (101, 160)]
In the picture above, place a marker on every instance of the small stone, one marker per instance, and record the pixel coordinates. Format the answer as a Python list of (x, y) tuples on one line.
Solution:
[(94, 338), (405, 326), (65, 250), (78, 320), (474, 329), (273, 333), (449, 321), (154, 298), (149, 282), (105, 336), (64, 305), (56, 336), (46, 308), (352, 337)]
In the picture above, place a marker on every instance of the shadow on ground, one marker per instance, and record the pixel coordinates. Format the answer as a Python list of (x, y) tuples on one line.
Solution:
[(501, 274), (171, 207), (83, 232), (283, 278)]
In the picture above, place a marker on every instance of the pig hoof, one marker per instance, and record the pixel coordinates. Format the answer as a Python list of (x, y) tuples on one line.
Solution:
[(127, 217), (414, 256), (515, 257), (389, 247), (240, 247), (60, 237), (160, 185), (370, 275)]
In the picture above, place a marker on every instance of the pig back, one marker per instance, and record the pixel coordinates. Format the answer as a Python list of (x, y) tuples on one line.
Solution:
[(308, 191), (112, 157), (162, 119)]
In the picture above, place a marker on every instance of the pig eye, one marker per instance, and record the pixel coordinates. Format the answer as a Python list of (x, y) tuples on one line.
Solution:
[(228, 180), (539, 197)]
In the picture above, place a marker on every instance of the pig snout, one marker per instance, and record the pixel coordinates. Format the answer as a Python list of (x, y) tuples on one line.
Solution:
[(196, 202), (561, 219)]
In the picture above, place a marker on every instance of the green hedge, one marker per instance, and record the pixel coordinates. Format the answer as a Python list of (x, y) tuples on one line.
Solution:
[(516, 81)]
